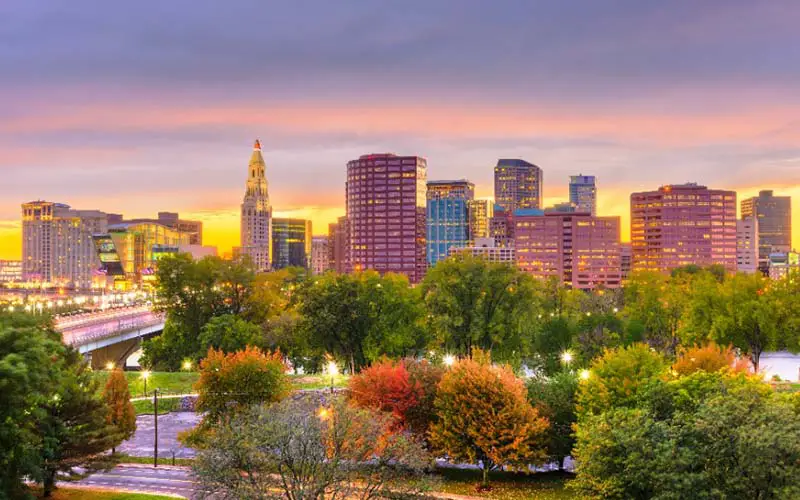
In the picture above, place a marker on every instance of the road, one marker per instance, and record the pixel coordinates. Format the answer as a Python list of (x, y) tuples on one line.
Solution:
[(144, 478)]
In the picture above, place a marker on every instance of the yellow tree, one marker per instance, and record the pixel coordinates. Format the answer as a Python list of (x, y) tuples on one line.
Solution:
[(484, 416), (121, 412)]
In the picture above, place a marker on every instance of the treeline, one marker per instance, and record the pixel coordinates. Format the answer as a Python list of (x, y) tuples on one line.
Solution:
[(55, 424), (463, 303)]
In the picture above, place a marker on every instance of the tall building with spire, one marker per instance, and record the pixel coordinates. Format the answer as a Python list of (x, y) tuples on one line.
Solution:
[(256, 222)]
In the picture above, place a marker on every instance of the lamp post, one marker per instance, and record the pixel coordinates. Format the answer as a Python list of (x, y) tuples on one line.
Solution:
[(332, 371), (566, 358), (155, 427), (145, 375), (449, 359)]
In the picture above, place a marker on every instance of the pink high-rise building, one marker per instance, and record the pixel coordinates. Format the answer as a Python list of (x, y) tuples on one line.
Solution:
[(386, 214), (684, 224), (579, 249)]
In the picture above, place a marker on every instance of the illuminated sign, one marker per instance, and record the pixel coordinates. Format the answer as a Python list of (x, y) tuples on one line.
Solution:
[(107, 253)]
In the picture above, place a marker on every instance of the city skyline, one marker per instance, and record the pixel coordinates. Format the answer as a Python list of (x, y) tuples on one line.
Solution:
[(113, 116)]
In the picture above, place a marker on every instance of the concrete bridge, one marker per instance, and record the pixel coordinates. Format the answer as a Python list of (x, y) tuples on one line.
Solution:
[(111, 335)]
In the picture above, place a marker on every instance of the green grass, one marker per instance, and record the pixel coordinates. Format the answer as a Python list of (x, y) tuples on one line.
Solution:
[(127, 459), (310, 382), (166, 382), (90, 494), (164, 406), (506, 485)]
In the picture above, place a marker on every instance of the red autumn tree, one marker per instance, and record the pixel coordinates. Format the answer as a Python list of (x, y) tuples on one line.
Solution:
[(386, 386), (484, 416), (121, 412)]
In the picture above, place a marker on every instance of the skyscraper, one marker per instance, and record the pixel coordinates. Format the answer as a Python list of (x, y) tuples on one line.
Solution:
[(517, 184), (747, 245), (774, 214), (339, 245), (447, 217), (683, 224), (291, 243), (480, 213), (256, 216), (57, 245), (579, 249), (320, 256), (583, 193), (386, 214)]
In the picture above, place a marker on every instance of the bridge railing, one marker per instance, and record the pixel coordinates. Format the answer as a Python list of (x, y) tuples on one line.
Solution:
[(110, 329)]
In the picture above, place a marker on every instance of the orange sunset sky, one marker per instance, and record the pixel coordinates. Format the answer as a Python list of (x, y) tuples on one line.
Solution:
[(153, 106)]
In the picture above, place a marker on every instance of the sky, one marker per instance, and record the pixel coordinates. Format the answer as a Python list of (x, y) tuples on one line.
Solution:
[(147, 106)]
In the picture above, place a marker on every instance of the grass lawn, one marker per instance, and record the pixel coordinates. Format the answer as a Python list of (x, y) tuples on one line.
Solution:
[(164, 406), (308, 382), (127, 459), (506, 485), (89, 494), (166, 382)]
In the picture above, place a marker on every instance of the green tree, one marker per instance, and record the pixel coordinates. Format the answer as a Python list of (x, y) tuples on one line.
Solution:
[(227, 333), (74, 431), (555, 399), (474, 304), (30, 356), (654, 305), (360, 317), (483, 416), (121, 413)]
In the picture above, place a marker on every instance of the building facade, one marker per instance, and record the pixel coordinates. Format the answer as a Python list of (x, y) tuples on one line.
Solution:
[(291, 243), (784, 264), (517, 184), (57, 245), (386, 214), (486, 249), (320, 254), (578, 249), (192, 228), (10, 271), (501, 226), (339, 246), (447, 217), (774, 214), (747, 245), (256, 213), (583, 193), (684, 224), (625, 260), (480, 213)]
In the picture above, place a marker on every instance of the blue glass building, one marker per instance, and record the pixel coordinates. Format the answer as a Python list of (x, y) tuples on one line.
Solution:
[(447, 217)]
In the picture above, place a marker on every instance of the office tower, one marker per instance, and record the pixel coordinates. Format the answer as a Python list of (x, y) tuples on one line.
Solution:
[(774, 214), (447, 217), (256, 213), (501, 227), (291, 243), (625, 260), (10, 271), (129, 251), (320, 254), (486, 249), (583, 193), (683, 224), (517, 184), (579, 250), (386, 213), (747, 245), (57, 246), (565, 207), (480, 213), (339, 246), (783, 264)]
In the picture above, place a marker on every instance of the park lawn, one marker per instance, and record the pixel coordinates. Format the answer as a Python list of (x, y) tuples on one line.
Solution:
[(91, 494), (507, 485), (166, 405), (127, 459), (316, 381)]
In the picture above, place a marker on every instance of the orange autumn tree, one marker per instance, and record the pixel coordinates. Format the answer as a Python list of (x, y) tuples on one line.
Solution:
[(121, 412), (710, 357), (386, 386), (484, 416)]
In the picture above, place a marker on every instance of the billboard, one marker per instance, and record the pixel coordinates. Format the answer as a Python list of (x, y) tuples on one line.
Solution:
[(107, 253)]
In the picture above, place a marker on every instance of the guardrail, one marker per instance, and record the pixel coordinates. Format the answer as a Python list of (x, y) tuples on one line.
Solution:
[(85, 335)]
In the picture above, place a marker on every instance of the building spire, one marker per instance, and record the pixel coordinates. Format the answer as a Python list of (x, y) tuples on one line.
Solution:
[(257, 145)]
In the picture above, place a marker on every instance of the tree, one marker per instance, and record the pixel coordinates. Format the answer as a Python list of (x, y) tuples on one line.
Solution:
[(655, 304), (484, 417), (710, 358), (75, 432), (749, 319), (360, 317), (619, 378), (30, 357), (121, 413), (316, 453), (227, 333), (386, 386), (234, 381), (555, 398), (474, 304), (426, 376)]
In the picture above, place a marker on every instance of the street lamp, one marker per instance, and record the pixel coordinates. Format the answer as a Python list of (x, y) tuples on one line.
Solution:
[(110, 365), (187, 365), (566, 357), (585, 374), (155, 427), (145, 375), (449, 360), (333, 370)]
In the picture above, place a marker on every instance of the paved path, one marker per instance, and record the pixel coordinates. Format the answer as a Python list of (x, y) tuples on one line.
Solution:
[(169, 426), (146, 479)]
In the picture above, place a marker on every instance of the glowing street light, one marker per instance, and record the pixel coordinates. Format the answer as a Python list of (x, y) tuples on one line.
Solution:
[(187, 365), (324, 413), (616, 310), (145, 376), (585, 374), (566, 357), (110, 365), (449, 360), (333, 370)]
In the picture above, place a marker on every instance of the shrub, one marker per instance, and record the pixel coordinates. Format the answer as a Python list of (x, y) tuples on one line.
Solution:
[(121, 413), (709, 357)]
